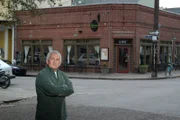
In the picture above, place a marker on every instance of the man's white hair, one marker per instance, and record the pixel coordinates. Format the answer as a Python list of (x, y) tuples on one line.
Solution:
[(51, 52)]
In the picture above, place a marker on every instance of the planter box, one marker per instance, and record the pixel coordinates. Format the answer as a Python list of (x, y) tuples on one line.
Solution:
[(105, 70), (143, 68)]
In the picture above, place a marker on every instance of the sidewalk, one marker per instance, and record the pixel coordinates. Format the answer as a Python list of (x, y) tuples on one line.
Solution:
[(114, 76)]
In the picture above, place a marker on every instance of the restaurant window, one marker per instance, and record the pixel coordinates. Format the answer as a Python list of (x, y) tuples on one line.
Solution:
[(177, 52), (70, 54), (165, 52), (141, 55), (35, 52), (82, 51), (145, 52)]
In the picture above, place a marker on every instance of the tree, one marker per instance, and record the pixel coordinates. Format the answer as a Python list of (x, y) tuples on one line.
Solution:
[(8, 7)]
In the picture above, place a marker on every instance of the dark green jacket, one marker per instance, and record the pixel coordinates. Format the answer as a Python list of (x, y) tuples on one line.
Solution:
[(51, 93)]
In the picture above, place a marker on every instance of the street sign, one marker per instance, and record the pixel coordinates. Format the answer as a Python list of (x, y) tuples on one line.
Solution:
[(151, 37), (148, 37), (154, 33), (154, 38)]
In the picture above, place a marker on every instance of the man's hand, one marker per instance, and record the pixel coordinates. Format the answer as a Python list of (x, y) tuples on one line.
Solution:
[(65, 87)]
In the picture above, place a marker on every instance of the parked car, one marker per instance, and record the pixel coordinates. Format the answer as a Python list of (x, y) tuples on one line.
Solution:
[(93, 60), (5, 67), (16, 69)]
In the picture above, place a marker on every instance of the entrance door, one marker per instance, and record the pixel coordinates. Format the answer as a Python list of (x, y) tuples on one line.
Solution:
[(123, 59)]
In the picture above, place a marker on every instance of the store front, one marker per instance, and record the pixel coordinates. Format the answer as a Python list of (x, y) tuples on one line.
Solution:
[(93, 37)]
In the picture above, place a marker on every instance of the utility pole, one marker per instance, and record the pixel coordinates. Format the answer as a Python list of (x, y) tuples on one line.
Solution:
[(154, 42)]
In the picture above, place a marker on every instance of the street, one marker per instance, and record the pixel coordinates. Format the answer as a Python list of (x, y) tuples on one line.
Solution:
[(156, 96), (102, 100)]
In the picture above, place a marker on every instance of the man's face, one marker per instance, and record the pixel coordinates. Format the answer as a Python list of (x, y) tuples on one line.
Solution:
[(54, 61)]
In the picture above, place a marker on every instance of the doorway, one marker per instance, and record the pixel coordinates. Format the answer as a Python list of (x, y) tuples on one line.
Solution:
[(123, 53)]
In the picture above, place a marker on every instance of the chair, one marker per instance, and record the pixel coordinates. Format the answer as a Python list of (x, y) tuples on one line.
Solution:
[(65, 67), (82, 67)]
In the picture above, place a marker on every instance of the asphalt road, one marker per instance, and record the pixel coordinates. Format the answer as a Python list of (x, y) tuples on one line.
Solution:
[(156, 96), (26, 111), (104, 100)]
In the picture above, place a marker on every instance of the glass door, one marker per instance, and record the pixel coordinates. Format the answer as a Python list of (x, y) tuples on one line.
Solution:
[(123, 59)]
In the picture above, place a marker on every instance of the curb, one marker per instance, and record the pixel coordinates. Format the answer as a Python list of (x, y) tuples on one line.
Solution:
[(114, 78), (11, 101), (14, 101)]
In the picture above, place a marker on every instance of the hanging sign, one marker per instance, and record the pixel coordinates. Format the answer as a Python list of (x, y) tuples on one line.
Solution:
[(94, 25)]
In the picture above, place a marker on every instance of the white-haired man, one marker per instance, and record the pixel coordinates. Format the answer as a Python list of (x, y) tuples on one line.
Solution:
[(52, 86)]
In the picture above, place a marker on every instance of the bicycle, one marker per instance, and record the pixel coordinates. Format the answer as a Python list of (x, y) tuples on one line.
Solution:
[(170, 69)]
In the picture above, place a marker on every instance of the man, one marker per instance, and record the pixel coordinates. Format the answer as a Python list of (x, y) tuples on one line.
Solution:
[(52, 86)]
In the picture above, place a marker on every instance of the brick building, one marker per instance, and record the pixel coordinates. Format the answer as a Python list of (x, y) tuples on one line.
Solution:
[(106, 34)]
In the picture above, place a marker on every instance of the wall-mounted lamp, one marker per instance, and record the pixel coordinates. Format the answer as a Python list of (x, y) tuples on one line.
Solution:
[(80, 30)]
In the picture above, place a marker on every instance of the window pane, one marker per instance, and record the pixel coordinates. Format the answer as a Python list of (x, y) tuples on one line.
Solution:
[(85, 51), (141, 55), (81, 54), (29, 56), (44, 54), (93, 53), (35, 53), (165, 54), (148, 53), (70, 55), (161, 58), (178, 53)]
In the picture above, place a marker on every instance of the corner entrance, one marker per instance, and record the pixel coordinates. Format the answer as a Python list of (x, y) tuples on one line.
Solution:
[(123, 53)]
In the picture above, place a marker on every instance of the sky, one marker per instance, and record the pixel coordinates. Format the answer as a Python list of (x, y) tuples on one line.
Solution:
[(169, 3)]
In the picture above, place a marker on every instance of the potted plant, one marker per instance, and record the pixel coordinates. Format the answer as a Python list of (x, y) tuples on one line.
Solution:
[(143, 68), (104, 68)]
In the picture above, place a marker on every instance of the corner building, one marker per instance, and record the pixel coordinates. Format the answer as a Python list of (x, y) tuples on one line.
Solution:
[(112, 35)]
